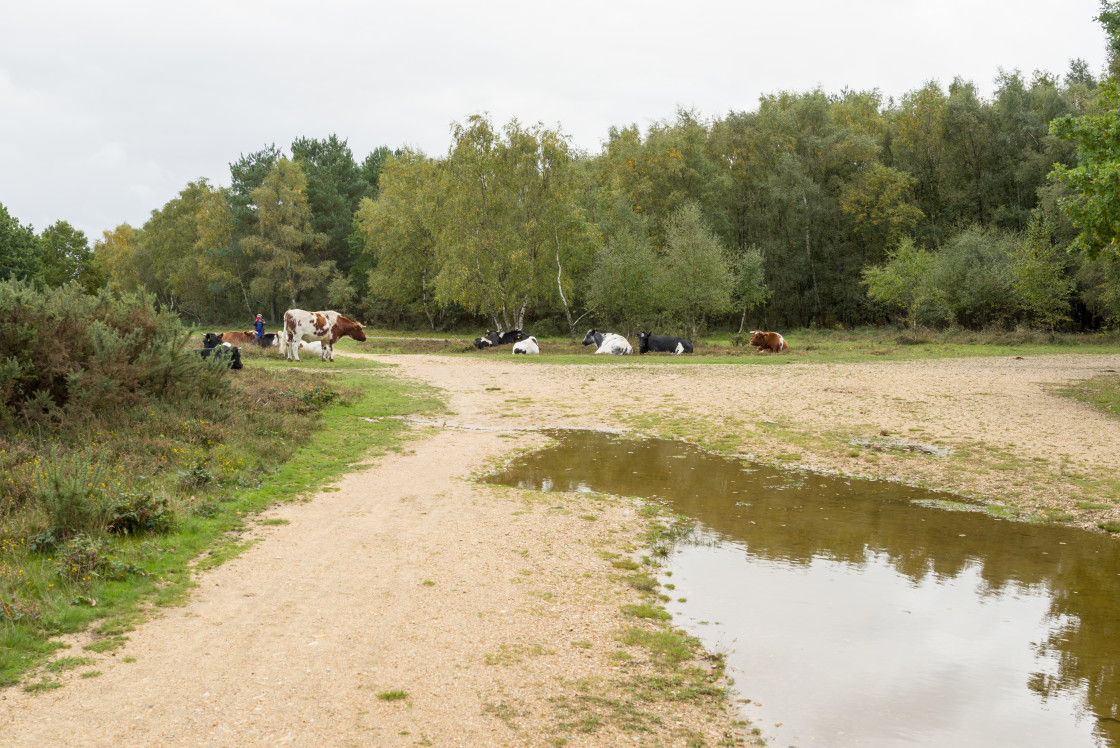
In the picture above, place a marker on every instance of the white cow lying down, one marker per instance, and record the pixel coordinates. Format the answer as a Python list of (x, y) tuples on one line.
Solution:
[(608, 342), (615, 344), (527, 346)]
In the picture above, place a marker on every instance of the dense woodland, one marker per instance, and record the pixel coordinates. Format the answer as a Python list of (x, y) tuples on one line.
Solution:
[(944, 208)]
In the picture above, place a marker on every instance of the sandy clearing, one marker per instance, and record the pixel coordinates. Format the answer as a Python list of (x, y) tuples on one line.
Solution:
[(292, 642)]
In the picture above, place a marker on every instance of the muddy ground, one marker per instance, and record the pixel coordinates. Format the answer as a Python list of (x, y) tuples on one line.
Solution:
[(494, 614)]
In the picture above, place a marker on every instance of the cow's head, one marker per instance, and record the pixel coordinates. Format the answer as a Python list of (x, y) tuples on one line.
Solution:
[(211, 339), (589, 338), (643, 342), (358, 333), (758, 337)]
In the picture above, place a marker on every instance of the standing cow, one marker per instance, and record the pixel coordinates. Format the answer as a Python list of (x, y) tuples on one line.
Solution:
[(663, 344), (324, 327)]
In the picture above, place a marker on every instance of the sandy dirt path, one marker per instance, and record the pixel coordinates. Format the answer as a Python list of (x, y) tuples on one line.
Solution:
[(495, 610)]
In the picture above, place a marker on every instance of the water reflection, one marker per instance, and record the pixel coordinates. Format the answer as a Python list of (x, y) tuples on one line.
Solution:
[(857, 617)]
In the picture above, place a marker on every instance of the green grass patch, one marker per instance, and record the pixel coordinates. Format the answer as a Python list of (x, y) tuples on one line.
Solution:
[(714, 347), (62, 664), (645, 610), (1102, 392), (393, 695)]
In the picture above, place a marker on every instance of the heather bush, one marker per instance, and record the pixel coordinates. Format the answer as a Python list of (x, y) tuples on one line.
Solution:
[(66, 354)]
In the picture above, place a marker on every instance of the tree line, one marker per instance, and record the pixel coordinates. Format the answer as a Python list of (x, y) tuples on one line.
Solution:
[(942, 208)]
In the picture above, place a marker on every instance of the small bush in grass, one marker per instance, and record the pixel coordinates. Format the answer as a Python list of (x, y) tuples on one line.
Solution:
[(84, 558), (140, 512), (197, 475), (317, 397), (72, 492)]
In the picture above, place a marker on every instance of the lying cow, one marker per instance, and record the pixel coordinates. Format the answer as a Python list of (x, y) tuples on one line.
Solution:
[(663, 344), (493, 338), (325, 327), (768, 342), (238, 338), (608, 342), (527, 346), (267, 340), (225, 353)]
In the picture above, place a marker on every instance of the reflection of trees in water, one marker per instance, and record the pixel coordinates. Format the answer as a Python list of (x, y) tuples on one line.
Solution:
[(795, 517)]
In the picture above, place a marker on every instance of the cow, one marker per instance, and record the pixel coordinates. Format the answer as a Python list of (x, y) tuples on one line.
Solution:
[(267, 340), (325, 327), (238, 338), (225, 353), (211, 339), (527, 346), (494, 338), (663, 344), (608, 342), (768, 342)]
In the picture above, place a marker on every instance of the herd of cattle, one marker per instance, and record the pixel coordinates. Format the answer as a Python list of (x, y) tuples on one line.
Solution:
[(317, 332), (314, 332), (618, 345)]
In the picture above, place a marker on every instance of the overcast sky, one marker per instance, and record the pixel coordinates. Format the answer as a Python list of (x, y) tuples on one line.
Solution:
[(108, 109)]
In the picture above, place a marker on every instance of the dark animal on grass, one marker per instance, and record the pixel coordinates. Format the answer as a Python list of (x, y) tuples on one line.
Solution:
[(663, 344), (768, 342), (267, 340), (225, 353), (493, 338), (211, 339), (608, 342)]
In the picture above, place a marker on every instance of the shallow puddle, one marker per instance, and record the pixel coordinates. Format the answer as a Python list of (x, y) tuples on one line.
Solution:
[(861, 613)]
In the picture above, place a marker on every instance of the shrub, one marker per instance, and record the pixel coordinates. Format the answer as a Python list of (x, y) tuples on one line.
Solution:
[(140, 513), (66, 353), (73, 494), (85, 557)]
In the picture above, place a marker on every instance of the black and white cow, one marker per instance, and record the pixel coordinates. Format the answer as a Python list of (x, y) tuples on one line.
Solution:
[(225, 353), (493, 338), (527, 346), (663, 344), (267, 340), (608, 342)]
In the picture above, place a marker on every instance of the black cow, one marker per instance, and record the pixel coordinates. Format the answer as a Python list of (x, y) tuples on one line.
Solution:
[(211, 339), (493, 338), (229, 355), (267, 340), (663, 344)]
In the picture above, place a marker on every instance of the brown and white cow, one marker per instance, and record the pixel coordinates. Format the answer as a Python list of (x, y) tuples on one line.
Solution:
[(238, 338), (324, 327), (768, 341)]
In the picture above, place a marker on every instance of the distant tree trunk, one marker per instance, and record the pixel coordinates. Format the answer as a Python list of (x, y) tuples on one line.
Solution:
[(809, 256), (563, 300), (424, 299)]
